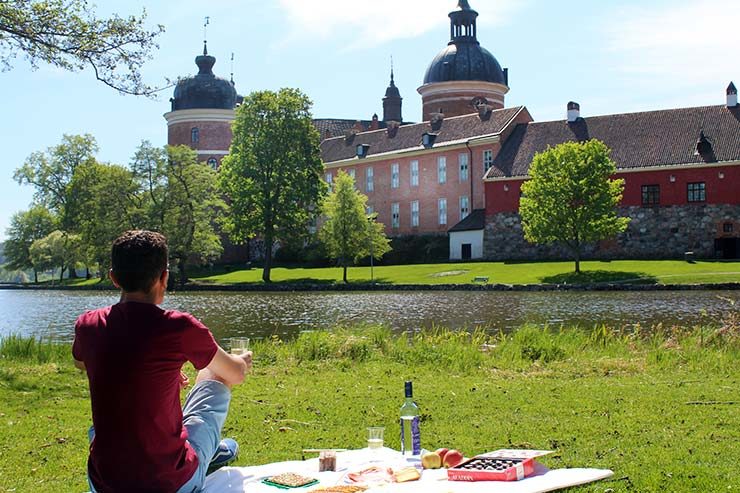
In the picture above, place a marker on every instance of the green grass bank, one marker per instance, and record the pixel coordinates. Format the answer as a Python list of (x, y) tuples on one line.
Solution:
[(617, 271), (661, 407)]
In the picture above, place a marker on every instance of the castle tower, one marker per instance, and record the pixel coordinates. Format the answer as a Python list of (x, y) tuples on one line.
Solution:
[(464, 74), (202, 112), (392, 103)]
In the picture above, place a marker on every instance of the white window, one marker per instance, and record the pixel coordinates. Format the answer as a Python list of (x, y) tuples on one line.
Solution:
[(414, 213), (442, 209), (329, 181), (442, 169), (463, 160), (414, 173), (369, 185), (395, 215), (464, 207), (487, 159), (395, 179), (369, 209), (351, 172)]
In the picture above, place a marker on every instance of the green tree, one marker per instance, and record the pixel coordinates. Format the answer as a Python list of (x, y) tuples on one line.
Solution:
[(25, 228), (570, 198), (50, 172), (348, 233), (101, 201), (272, 175), (190, 203), (57, 249), (67, 34)]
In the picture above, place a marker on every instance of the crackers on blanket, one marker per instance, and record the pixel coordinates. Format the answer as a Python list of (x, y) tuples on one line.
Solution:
[(290, 479), (345, 488)]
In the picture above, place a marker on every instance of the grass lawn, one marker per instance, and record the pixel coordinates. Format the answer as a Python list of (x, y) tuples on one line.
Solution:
[(634, 271), (660, 410)]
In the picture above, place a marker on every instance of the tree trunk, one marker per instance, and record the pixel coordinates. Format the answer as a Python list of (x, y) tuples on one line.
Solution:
[(61, 274), (87, 272), (578, 260), (268, 259), (182, 276), (35, 276), (344, 275), (72, 273)]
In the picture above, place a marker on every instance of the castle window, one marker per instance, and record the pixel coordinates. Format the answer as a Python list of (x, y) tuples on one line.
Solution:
[(213, 163), (351, 173), (442, 169), (727, 228), (463, 161), (650, 194), (464, 207), (369, 179), (414, 173), (487, 159), (194, 135), (395, 178), (442, 210), (395, 215), (414, 213), (696, 192), (328, 178)]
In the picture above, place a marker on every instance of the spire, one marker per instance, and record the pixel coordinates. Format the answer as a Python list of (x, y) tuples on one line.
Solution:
[(205, 62), (463, 23), (392, 101), (394, 85), (232, 68), (205, 35)]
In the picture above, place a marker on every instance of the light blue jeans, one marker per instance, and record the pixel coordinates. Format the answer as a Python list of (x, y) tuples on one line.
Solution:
[(203, 415)]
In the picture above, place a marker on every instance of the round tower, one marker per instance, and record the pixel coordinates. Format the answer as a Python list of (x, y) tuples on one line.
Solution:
[(202, 112), (464, 74)]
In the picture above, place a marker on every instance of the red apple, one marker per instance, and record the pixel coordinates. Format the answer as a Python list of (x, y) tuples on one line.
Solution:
[(431, 460), (452, 458), (441, 453)]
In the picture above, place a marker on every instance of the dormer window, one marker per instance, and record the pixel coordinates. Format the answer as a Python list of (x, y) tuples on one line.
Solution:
[(194, 135), (213, 163), (362, 150), (427, 139)]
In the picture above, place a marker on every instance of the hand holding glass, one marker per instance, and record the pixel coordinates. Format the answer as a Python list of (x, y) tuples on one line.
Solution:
[(239, 345)]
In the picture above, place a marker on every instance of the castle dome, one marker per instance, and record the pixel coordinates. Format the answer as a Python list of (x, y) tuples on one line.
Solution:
[(464, 59), (204, 90)]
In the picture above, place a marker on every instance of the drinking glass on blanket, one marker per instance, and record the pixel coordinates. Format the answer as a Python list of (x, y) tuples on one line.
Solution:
[(239, 345)]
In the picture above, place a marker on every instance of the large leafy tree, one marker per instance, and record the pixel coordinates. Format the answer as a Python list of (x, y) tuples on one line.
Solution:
[(348, 233), (570, 198), (101, 202), (50, 172), (272, 175), (57, 249), (25, 228), (180, 198), (69, 35)]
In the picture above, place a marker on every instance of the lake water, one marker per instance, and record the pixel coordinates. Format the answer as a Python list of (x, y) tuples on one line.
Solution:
[(52, 313)]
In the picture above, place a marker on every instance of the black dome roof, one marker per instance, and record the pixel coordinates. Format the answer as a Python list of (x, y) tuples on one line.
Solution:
[(464, 58), (204, 90)]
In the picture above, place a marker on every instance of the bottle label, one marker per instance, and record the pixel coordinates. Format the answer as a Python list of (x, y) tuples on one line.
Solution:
[(415, 436)]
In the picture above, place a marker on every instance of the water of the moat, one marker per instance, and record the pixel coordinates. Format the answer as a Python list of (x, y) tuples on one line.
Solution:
[(52, 313)]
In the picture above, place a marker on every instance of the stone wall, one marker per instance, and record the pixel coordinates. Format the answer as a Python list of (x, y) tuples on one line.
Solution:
[(653, 232)]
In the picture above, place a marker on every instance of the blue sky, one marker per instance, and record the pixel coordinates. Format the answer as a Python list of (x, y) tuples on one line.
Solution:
[(611, 57)]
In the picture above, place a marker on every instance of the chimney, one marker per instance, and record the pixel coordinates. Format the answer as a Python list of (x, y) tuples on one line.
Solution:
[(484, 111), (392, 128), (436, 119), (574, 111), (374, 124), (731, 96)]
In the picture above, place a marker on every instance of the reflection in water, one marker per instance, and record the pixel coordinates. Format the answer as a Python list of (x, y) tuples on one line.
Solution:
[(52, 313)]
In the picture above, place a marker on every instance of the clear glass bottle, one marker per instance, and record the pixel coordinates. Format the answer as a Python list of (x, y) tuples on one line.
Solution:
[(410, 438)]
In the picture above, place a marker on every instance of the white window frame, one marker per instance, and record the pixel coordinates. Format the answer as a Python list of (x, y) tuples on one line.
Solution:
[(442, 169), (414, 172), (487, 159), (395, 215), (414, 213), (395, 175), (464, 207), (369, 209), (442, 211), (369, 179), (464, 165), (351, 172), (329, 181)]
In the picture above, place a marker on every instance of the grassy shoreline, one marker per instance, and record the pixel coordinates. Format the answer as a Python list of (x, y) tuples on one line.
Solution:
[(660, 407)]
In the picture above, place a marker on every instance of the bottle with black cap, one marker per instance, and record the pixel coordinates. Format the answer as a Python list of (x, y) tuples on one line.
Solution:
[(410, 439)]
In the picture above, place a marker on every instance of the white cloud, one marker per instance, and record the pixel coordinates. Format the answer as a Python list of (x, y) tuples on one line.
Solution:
[(368, 23), (680, 44)]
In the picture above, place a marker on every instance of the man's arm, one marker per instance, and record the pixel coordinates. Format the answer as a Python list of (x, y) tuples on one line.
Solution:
[(228, 368)]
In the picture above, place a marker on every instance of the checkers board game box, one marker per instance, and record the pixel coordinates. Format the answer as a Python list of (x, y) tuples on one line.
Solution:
[(500, 465)]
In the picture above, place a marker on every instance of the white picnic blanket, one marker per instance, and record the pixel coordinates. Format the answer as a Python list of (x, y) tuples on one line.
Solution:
[(248, 479)]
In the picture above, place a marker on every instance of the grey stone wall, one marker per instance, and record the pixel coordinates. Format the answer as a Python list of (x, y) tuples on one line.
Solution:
[(653, 232)]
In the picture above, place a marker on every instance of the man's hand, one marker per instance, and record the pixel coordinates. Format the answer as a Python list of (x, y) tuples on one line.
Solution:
[(184, 380)]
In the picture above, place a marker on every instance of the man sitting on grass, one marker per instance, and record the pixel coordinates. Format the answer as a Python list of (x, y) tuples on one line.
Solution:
[(133, 352)]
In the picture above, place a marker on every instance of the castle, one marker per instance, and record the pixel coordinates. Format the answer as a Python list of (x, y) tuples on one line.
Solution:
[(459, 172)]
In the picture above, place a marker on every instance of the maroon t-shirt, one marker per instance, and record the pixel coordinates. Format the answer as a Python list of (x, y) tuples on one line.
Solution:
[(133, 353)]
